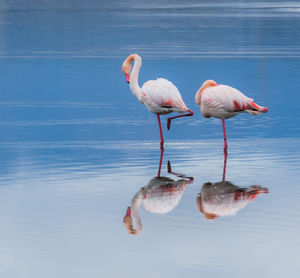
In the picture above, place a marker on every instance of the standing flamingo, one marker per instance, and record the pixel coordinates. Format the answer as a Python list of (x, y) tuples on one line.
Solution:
[(224, 102), (160, 96)]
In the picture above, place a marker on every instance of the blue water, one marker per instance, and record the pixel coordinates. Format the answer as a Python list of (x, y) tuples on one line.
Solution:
[(77, 148)]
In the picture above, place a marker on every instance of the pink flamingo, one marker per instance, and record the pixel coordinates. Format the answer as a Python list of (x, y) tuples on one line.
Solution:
[(160, 96), (224, 198), (224, 102), (161, 195)]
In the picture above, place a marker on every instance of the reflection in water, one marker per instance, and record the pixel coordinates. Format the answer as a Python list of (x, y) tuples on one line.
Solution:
[(224, 198), (161, 195)]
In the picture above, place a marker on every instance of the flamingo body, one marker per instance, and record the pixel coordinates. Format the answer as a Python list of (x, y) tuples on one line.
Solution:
[(162, 194), (162, 97), (224, 198), (224, 102)]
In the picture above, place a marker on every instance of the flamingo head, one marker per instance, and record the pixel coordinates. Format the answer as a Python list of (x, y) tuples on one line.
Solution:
[(127, 221), (127, 77), (206, 215), (205, 85), (126, 67), (209, 83)]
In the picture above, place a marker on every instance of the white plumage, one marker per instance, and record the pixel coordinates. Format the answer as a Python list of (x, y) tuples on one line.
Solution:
[(162, 97), (163, 194), (224, 198), (224, 102), (219, 101)]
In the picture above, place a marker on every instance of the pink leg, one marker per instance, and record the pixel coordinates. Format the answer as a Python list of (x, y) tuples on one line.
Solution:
[(224, 167), (191, 179), (179, 116), (161, 134), (225, 139), (160, 161)]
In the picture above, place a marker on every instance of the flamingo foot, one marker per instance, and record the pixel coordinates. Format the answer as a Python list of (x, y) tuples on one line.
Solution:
[(128, 212), (169, 167), (168, 124), (191, 113)]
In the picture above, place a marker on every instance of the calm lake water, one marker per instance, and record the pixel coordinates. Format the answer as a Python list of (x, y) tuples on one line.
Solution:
[(77, 148)]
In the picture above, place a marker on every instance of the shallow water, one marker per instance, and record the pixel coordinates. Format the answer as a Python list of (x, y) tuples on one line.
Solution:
[(62, 207), (77, 148)]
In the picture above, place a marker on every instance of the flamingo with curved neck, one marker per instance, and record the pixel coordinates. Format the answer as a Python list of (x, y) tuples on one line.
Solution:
[(160, 96), (161, 195)]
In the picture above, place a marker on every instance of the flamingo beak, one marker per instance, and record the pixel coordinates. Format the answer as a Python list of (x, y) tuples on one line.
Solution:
[(127, 76), (128, 212)]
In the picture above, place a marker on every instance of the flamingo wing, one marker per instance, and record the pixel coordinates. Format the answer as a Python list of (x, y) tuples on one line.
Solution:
[(226, 98), (163, 93)]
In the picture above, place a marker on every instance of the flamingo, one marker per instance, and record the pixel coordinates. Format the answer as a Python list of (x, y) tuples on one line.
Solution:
[(161, 195), (223, 102), (160, 96), (224, 198)]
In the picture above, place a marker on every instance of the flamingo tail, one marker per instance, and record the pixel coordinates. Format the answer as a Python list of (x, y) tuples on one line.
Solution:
[(258, 108)]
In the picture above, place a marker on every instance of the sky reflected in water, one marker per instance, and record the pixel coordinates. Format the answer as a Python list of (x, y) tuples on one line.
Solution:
[(77, 148), (62, 209)]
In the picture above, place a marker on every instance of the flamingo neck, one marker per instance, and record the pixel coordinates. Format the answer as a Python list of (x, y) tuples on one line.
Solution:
[(135, 206), (134, 76)]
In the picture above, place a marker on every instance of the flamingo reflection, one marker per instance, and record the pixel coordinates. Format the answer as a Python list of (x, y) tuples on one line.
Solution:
[(161, 195), (224, 198)]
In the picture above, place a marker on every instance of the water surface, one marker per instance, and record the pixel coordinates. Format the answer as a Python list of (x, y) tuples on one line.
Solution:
[(62, 209), (77, 147)]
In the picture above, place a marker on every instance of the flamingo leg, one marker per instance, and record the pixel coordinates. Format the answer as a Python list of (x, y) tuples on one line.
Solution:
[(191, 113), (225, 139), (160, 161), (161, 133), (191, 179), (224, 167)]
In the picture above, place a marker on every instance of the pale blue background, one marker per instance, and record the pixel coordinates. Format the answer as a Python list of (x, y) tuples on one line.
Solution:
[(76, 145)]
